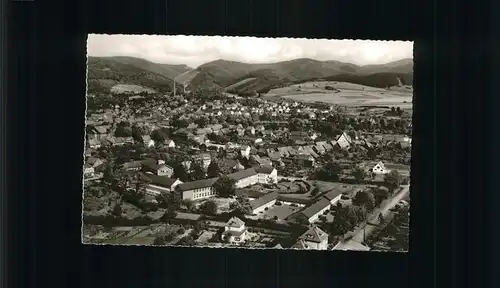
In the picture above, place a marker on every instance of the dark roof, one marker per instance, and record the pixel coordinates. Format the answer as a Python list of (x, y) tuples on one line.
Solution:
[(249, 193), (265, 169), (161, 180), (242, 174), (264, 200), (197, 184), (235, 222), (293, 199), (314, 234), (330, 195), (300, 245), (316, 207), (132, 164), (298, 133)]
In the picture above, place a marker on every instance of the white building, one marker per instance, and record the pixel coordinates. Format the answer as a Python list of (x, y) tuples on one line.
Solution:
[(380, 169), (314, 239), (344, 141), (267, 174), (316, 209), (267, 201), (234, 231), (245, 178), (197, 190), (245, 151), (161, 184)]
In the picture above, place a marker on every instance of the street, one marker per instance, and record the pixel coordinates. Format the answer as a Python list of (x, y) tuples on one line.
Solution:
[(359, 234)]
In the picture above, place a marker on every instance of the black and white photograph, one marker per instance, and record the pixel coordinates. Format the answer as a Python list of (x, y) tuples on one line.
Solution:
[(247, 142)]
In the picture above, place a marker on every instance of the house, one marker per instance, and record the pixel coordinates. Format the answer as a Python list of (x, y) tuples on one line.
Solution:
[(233, 164), (132, 166), (157, 167), (160, 184), (245, 178), (187, 165), (344, 141), (313, 136), (260, 161), (298, 135), (89, 172), (380, 169), (258, 141), (267, 201), (313, 212), (234, 231), (251, 130), (267, 174), (320, 149), (333, 196), (118, 141), (245, 151), (197, 190), (205, 158), (169, 143), (94, 162), (148, 142), (305, 160), (314, 238)]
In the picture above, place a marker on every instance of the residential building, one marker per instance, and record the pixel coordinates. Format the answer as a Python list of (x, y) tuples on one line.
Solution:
[(234, 231), (306, 160), (245, 151), (197, 190), (266, 174), (245, 178), (89, 172), (148, 142), (169, 143), (313, 212), (333, 196), (160, 184), (298, 135), (314, 239), (157, 167), (267, 201), (380, 169), (344, 141)]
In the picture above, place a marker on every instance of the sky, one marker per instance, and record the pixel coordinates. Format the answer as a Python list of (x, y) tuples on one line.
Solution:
[(194, 51)]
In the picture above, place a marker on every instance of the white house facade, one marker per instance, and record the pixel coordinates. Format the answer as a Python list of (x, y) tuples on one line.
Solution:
[(379, 168), (197, 190), (234, 231)]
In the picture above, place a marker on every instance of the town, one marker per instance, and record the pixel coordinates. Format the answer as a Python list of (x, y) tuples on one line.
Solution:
[(209, 168)]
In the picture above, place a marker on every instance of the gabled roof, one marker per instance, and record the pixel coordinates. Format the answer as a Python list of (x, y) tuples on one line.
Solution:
[(314, 234), (330, 195), (197, 184), (161, 180), (263, 200), (235, 222), (264, 169), (317, 206), (300, 245), (242, 174)]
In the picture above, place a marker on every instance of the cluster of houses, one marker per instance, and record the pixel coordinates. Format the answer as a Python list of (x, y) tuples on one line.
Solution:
[(314, 238)]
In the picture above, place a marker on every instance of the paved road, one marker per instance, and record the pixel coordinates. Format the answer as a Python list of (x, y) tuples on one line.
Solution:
[(359, 234)]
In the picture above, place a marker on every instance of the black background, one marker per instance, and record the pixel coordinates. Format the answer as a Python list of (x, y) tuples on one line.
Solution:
[(453, 168)]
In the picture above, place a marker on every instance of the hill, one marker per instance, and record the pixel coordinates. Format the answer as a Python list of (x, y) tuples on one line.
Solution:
[(105, 72), (247, 79)]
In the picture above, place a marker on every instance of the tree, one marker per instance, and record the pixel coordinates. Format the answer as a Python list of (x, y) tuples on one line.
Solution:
[(209, 208), (123, 130), (160, 240), (224, 186), (158, 136), (188, 204), (359, 174), (331, 172), (381, 193), (117, 210), (180, 172), (170, 213), (381, 219), (213, 169), (365, 199), (344, 221), (315, 191), (180, 123), (197, 171), (186, 241), (392, 180), (201, 122)]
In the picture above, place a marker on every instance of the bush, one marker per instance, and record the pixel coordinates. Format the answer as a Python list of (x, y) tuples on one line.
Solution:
[(267, 208), (278, 203), (181, 231)]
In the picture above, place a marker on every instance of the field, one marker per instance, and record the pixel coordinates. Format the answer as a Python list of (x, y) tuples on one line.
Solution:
[(129, 88), (345, 94)]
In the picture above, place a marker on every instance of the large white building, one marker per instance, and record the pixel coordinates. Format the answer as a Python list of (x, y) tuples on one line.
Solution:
[(267, 174), (245, 178), (197, 190)]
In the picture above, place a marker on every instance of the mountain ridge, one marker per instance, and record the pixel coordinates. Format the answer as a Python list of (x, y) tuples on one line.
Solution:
[(241, 78)]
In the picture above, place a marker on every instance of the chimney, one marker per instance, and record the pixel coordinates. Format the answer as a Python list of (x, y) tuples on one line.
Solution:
[(161, 162)]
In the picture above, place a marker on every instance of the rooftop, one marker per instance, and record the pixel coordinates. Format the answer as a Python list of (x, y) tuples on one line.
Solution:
[(264, 200), (314, 234), (197, 184), (242, 174), (235, 222), (317, 206)]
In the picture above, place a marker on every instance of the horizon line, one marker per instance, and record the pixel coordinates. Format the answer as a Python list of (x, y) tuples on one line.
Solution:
[(255, 63)]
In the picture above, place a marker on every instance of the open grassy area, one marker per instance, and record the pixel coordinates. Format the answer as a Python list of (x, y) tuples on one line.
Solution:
[(281, 211), (344, 94)]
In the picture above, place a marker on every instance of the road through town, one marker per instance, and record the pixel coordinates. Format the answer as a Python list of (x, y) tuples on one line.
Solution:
[(365, 230)]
